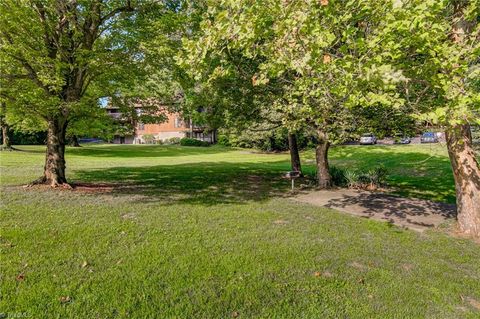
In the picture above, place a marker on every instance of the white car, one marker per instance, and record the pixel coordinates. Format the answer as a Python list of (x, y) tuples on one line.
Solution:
[(368, 139)]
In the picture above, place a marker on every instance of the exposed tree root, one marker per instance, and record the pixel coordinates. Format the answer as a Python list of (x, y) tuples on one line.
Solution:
[(53, 183), (39, 181)]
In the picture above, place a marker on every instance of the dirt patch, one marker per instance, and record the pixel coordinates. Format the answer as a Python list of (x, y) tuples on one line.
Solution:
[(79, 187), (409, 213), (407, 267), (472, 302), (129, 216), (358, 266), (95, 187)]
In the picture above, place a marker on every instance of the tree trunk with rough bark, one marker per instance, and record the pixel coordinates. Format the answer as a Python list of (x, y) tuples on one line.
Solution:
[(466, 172), (6, 144), (54, 169), (323, 175), (294, 154)]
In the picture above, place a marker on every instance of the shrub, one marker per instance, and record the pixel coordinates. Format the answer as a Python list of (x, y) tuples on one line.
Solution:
[(265, 140), (223, 140), (149, 138), (377, 176), (25, 138), (352, 179), (338, 176), (186, 141), (370, 179), (172, 141)]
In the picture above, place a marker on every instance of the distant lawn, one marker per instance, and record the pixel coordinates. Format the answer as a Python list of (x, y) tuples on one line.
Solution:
[(211, 233), (421, 171)]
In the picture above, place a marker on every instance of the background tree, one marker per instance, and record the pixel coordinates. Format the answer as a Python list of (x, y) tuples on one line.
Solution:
[(99, 125), (312, 56)]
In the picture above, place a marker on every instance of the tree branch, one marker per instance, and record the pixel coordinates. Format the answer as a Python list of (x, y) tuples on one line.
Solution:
[(14, 76), (32, 74), (127, 8)]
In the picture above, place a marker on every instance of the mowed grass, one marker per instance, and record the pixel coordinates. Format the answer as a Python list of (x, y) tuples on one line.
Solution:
[(211, 233)]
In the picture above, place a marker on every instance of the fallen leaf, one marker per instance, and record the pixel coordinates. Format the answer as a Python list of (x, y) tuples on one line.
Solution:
[(254, 80), (20, 277), (324, 2), (84, 264), (407, 267), (317, 274), (235, 314), (65, 299)]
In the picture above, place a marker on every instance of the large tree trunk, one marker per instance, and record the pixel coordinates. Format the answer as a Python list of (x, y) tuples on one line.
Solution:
[(74, 142), (6, 145), (294, 154), (466, 172), (323, 175), (54, 169)]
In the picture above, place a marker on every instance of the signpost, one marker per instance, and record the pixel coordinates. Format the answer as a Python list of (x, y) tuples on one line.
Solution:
[(292, 175)]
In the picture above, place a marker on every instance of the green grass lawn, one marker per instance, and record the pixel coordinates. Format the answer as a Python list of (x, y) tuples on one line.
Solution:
[(211, 233)]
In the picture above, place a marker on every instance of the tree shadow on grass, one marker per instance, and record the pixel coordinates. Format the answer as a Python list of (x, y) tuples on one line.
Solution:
[(396, 210), (204, 183), (411, 173), (129, 151)]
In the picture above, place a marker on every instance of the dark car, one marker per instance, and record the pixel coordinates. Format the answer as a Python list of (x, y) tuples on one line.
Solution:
[(368, 139), (429, 137)]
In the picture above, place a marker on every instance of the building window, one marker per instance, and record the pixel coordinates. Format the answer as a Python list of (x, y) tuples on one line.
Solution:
[(178, 122), (141, 126)]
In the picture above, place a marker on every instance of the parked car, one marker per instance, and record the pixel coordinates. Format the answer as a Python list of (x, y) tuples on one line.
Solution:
[(368, 139), (400, 139), (429, 137)]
